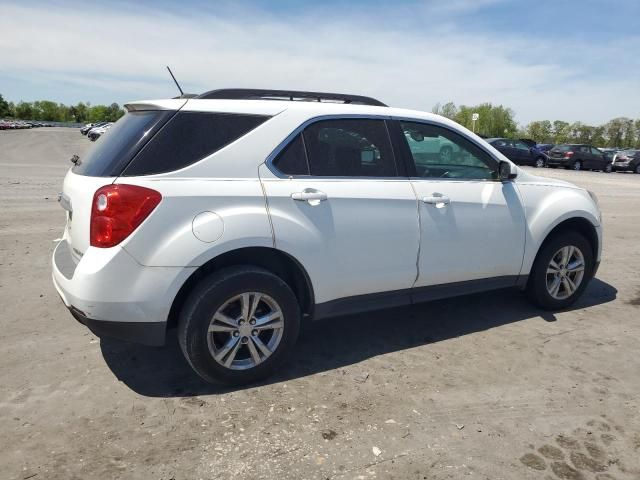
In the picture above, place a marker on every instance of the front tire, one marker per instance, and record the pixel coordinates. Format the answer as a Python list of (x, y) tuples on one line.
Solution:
[(539, 163), (561, 271), (238, 325), (577, 165), (608, 168)]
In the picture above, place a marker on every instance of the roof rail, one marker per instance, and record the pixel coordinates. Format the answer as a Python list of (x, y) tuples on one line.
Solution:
[(257, 94)]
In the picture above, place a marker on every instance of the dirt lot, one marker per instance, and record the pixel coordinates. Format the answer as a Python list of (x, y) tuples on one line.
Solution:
[(483, 386)]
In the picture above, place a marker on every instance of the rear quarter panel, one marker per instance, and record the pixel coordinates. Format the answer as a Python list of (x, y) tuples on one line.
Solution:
[(167, 237)]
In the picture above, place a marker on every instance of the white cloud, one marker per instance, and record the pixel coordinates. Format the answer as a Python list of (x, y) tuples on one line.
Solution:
[(123, 50)]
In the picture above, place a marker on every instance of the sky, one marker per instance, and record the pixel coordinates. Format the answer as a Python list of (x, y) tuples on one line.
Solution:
[(574, 60)]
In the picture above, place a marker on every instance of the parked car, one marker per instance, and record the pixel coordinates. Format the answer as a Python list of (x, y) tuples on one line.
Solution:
[(238, 215), (579, 157), (85, 130), (4, 125), (519, 152), (627, 161), (96, 132), (545, 147)]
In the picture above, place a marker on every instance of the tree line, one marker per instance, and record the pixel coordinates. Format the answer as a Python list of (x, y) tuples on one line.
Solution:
[(493, 121), (499, 121), (49, 111)]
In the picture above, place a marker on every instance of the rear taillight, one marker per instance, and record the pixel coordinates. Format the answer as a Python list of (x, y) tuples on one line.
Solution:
[(568, 154), (117, 210)]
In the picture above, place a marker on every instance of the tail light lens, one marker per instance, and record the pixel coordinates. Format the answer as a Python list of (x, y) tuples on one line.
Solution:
[(117, 210), (568, 154)]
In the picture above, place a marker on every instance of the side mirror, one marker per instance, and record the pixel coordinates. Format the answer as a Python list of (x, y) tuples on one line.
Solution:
[(507, 171)]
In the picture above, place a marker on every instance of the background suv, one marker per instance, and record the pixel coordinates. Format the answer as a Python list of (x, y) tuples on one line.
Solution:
[(237, 215), (519, 152), (627, 161), (579, 157)]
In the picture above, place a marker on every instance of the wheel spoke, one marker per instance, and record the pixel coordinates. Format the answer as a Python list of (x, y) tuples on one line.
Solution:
[(245, 305), (572, 285), (566, 254), (567, 286), (253, 351), (230, 348), (268, 319), (254, 305), (263, 348), (216, 327), (554, 287), (576, 266), (222, 318)]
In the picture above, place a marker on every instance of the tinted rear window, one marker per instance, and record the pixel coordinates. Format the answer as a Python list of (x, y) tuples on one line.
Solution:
[(563, 148), (119, 144), (189, 137)]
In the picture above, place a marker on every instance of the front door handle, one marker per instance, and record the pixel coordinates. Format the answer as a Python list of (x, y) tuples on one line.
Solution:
[(309, 195), (437, 199)]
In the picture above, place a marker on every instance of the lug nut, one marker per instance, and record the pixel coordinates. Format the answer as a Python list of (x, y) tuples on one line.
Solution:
[(244, 340), (241, 322), (254, 333), (252, 321), (236, 333)]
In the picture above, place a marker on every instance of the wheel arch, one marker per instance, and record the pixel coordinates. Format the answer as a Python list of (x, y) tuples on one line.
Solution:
[(276, 261), (578, 224)]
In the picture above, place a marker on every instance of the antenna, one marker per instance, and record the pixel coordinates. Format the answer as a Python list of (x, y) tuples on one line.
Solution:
[(174, 79)]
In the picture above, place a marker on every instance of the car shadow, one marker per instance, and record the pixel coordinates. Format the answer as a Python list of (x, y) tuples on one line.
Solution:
[(341, 341)]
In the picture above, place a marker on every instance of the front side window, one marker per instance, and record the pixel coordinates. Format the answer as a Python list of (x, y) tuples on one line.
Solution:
[(521, 146), (595, 151), (440, 153), (349, 148)]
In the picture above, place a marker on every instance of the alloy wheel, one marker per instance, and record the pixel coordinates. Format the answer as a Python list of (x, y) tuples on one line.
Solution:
[(539, 162), (245, 330), (577, 166), (565, 272)]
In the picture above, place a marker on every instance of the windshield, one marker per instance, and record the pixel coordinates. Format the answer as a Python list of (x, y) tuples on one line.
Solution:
[(120, 143)]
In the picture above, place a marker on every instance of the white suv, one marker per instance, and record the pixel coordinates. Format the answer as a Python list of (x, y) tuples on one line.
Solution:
[(239, 214)]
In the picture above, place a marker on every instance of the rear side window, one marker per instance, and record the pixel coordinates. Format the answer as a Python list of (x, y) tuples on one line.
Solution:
[(293, 159), (120, 143), (189, 137), (349, 148)]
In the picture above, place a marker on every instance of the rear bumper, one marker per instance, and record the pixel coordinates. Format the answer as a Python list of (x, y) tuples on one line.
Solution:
[(113, 295), (623, 167), (559, 162), (146, 333)]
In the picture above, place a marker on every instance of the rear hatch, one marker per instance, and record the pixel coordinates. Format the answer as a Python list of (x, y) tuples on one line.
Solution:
[(559, 151), (104, 162)]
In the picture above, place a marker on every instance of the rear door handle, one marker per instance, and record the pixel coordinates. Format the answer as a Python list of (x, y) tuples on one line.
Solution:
[(309, 195), (437, 199)]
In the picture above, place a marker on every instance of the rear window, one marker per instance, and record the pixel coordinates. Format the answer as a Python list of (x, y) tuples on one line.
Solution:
[(120, 143), (189, 137), (562, 148)]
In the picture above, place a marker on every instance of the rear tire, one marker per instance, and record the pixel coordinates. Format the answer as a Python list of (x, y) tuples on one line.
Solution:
[(577, 165), (257, 320), (539, 163), (555, 282), (637, 170), (608, 168)]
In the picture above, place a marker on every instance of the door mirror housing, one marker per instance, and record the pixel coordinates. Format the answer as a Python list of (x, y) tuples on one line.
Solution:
[(507, 171)]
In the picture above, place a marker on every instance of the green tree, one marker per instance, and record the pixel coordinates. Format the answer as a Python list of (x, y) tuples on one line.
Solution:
[(560, 131), (540, 131), (4, 107), (25, 111)]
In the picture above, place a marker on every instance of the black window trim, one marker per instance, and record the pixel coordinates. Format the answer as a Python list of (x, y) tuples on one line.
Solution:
[(405, 167), (300, 129), (411, 167)]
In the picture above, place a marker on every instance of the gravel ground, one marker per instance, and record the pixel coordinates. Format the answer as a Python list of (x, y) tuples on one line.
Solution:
[(483, 386)]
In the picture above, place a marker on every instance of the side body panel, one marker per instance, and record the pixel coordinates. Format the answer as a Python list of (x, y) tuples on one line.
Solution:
[(362, 239)]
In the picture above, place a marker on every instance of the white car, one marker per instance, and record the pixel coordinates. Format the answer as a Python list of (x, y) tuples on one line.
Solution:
[(237, 215), (96, 132)]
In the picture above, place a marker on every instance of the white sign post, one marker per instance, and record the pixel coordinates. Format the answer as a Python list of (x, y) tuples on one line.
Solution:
[(474, 117)]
